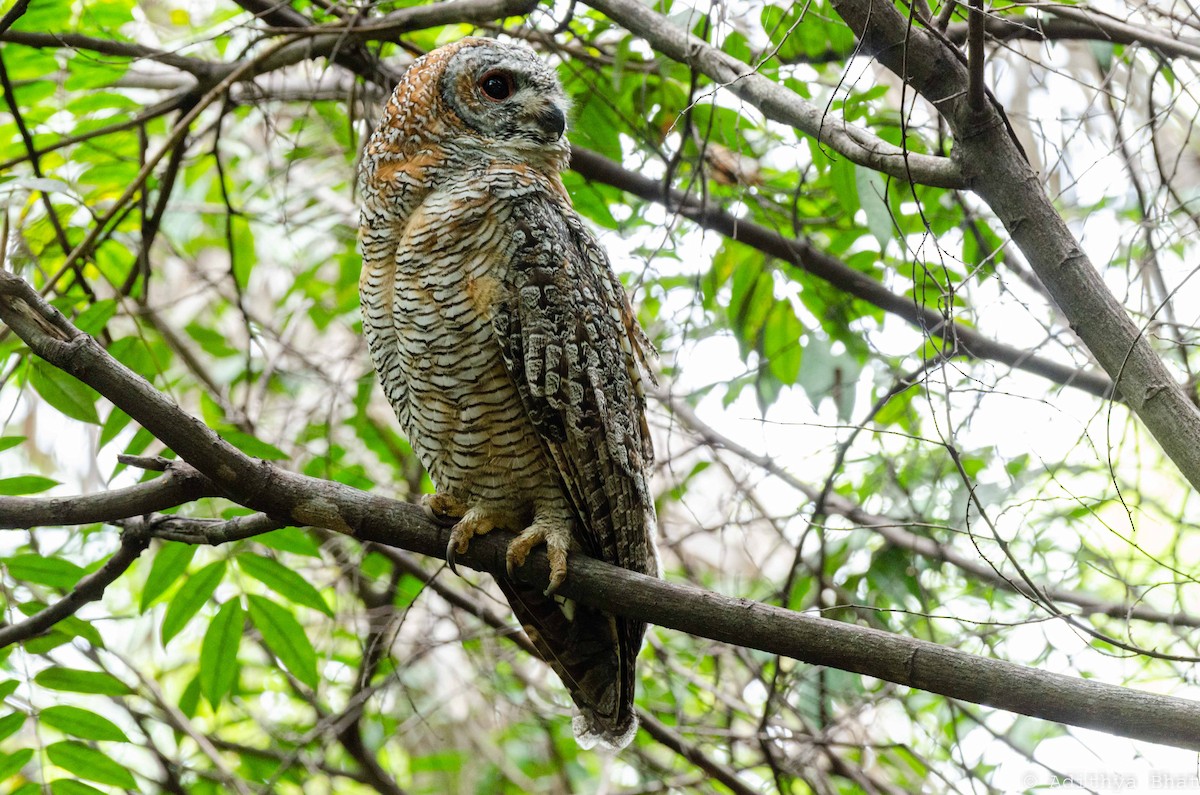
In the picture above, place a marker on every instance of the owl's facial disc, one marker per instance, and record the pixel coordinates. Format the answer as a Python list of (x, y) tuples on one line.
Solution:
[(507, 93)]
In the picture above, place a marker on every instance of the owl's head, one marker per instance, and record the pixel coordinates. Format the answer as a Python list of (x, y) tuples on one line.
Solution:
[(506, 93)]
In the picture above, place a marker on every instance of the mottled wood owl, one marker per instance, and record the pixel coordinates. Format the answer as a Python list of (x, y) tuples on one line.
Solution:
[(508, 348)]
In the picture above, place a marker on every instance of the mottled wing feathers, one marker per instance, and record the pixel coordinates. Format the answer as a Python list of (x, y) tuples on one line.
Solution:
[(562, 333)]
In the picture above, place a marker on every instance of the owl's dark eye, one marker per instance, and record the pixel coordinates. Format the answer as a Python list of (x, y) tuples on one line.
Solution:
[(497, 85)]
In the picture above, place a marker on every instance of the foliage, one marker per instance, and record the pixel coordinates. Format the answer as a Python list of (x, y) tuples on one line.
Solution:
[(817, 448)]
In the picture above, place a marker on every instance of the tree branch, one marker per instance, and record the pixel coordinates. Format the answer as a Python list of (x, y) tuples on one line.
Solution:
[(1003, 178), (960, 339), (259, 485), (88, 589), (1106, 28), (777, 102), (202, 70), (180, 484), (1083, 26), (894, 532), (338, 42), (976, 96)]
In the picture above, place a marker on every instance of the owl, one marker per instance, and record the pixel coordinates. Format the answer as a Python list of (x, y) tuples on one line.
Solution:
[(508, 348)]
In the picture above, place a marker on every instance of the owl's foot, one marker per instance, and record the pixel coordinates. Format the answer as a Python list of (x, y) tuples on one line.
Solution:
[(443, 508), (557, 539), (474, 522)]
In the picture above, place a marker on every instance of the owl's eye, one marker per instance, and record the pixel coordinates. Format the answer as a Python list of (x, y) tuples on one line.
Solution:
[(497, 85)]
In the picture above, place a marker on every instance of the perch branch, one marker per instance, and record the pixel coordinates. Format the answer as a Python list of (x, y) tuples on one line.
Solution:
[(287, 496)]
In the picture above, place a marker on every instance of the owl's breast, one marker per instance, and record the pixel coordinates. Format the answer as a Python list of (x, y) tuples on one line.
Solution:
[(460, 407)]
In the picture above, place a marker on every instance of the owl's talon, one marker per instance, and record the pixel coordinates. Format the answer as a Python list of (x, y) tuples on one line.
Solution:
[(443, 509), (474, 522), (557, 540), (557, 578)]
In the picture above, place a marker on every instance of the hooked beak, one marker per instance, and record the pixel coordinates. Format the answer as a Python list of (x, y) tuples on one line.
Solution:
[(553, 121)]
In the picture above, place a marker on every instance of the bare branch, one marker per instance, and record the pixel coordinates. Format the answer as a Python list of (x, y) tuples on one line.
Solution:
[(1106, 28), (661, 732), (202, 70), (1094, 28), (976, 95), (210, 532), (895, 533), (13, 14)]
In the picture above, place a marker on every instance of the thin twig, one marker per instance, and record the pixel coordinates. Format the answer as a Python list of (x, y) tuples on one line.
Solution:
[(88, 589)]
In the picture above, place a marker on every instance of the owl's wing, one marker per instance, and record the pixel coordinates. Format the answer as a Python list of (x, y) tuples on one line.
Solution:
[(573, 350)]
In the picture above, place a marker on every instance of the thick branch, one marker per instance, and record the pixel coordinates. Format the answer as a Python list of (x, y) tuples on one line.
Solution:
[(960, 339), (340, 43), (777, 102), (1003, 179), (261, 486)]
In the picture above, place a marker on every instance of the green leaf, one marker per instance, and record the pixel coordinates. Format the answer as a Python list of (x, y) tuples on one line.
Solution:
[(76, 627), (134, 354), (170, 561), (12, 763), (69, 395), (73, 680), (285, 638), (116, 422), (781, 342), (214, 344), (43, 15), (189, 699), (408, 588), (81, 723), (843, 180), (251, 445), (69, 786), (290, 539), (10, 441), (107, 15), (25, 484), (87, 762), (190, 598), (871, 192), (283, 581), (55, 572), (10, 723), (218, 654), (93, 319)]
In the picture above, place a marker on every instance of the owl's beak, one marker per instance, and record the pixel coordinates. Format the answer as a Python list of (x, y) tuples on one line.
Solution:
[(553, 120)]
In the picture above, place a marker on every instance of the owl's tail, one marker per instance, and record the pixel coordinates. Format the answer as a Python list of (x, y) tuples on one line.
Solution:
[(593, 653)]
